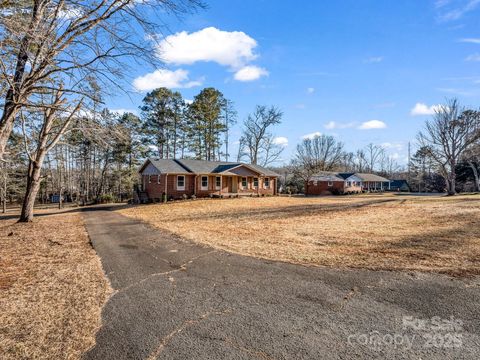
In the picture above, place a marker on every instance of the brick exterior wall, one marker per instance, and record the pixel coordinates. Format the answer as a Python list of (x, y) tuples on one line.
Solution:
[(155, 188), (322, 188)]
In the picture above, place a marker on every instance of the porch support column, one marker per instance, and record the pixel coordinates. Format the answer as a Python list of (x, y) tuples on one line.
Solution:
[(166, 188)]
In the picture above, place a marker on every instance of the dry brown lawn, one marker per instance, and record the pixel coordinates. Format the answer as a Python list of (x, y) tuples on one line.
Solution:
[(440, 234), (52, 288)]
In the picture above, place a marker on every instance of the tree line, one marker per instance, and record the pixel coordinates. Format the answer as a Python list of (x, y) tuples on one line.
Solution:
[(447, 158), (57, 57), (59, 60), (91, 154), (326, 153)]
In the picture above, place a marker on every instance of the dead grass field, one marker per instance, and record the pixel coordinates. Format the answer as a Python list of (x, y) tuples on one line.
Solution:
[(440, 234), (52, 288)]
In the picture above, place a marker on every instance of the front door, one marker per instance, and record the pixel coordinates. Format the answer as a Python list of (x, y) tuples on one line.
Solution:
[(234, 181)]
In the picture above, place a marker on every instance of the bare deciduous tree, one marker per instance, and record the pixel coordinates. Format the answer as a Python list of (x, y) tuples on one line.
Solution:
[(373, 156), (256, 142), (43, 39), (39, 138), (472, 158), (447, 136), (322, 153)]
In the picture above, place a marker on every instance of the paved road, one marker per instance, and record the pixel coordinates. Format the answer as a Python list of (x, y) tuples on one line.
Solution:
[(178, 300)]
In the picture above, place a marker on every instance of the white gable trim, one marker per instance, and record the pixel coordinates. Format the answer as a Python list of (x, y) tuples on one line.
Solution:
[(242, 165)]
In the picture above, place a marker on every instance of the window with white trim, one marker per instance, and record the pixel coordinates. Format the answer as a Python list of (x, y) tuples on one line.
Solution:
[(180, 182), (244, 183), (218, 182), (149, 179), (204, 182), (158, 179), (330, 183), (255, 183), (266, 183)]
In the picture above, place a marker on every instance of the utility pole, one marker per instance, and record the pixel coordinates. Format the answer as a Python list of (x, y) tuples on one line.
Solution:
[(408, 176), (227, 125)]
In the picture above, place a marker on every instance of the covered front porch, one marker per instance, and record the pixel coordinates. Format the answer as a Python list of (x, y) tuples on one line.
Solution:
[(239, 180), (375, 186), (235, 185)]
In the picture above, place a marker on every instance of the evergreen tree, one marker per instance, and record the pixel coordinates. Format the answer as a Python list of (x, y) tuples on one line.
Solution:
[(206, 124), (162, 111)]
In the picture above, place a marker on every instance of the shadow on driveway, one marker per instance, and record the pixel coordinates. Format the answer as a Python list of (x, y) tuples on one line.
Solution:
[(178, 300)]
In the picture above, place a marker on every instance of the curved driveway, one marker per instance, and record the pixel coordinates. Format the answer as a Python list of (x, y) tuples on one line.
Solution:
[(178, 300)]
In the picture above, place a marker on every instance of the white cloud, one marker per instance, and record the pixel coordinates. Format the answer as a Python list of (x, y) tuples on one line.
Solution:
[(389, 145), (470, 40), (250, 73), (70, 13), (330, 125), (300, 106), (423, 109), (310, 90), (311, 135), (124, 111), (372, 124), (188, 101), (473, 57), (227, 48), (165, 78), (441, 3), (232, 49), (281, 140), (457, 11), (373, 59), (334, 125)]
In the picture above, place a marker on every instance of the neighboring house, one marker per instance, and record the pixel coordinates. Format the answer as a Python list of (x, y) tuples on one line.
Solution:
[(399, 185), (328, 182), (178, 178)]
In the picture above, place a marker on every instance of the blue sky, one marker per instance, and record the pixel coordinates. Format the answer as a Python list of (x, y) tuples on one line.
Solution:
[(332, 67)]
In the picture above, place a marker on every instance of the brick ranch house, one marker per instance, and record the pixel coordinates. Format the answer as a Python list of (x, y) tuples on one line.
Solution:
[(327, 182), (177, 178)]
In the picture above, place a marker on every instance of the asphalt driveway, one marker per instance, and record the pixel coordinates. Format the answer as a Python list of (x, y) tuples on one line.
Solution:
[(178, 300)]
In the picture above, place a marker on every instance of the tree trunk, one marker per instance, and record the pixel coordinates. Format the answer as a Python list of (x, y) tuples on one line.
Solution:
[(475, 175), (450, 185), (6, 125), (452, 175), (13, 96), (31, 191)]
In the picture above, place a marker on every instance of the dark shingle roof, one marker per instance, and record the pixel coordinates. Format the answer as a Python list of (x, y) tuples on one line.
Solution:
[(168, 166), (205, 167), (326, 176), (371, 177), (191, 166), (344, 176), (262, 170)]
